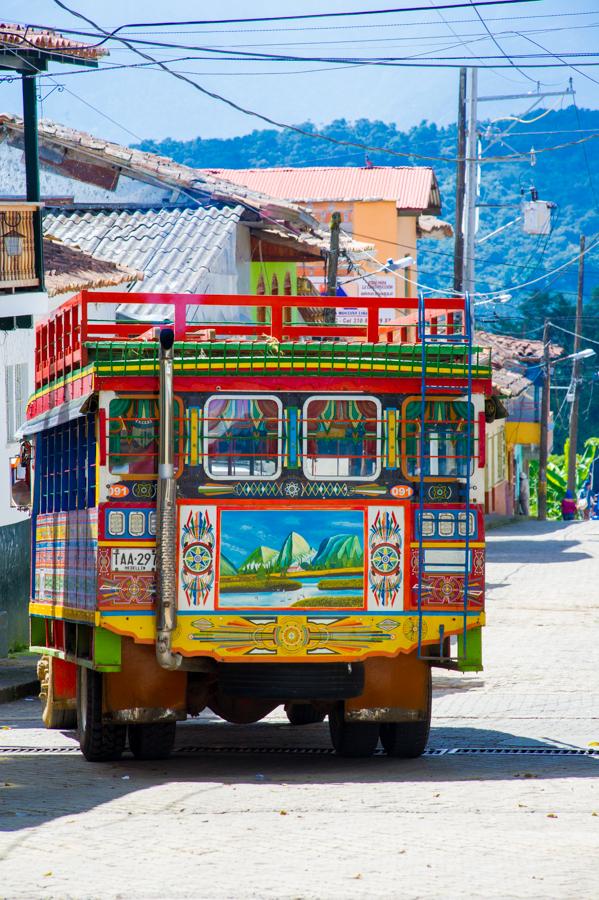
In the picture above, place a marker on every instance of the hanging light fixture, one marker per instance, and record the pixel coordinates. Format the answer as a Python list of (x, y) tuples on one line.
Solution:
[(12, 239)]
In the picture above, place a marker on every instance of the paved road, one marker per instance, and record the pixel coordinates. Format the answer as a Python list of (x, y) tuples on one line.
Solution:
[(282, 825)]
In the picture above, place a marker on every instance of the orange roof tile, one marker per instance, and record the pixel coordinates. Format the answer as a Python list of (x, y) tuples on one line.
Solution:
[(28, 38)]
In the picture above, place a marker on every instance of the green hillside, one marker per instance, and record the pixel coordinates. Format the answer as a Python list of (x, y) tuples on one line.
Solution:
[(509, 258)]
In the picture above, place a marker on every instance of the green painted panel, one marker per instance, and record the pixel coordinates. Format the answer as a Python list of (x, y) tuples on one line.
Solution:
[(470, 651), (107, 648)]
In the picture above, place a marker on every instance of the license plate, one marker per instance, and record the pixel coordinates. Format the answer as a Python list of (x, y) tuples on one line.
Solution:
[(133, 560)]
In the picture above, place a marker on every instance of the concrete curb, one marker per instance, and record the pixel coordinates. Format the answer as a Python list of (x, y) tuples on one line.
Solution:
[(17, 691)]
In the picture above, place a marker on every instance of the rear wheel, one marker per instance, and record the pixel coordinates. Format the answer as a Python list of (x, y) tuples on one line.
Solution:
[(407, 740), (303, 714), (99, 742), (154, 740), (352, 739)]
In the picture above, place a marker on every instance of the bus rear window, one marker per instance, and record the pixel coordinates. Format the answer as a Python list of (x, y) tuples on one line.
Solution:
[(342, 438), (243, 437)]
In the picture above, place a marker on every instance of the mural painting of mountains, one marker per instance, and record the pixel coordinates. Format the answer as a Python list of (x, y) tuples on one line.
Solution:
[(319, 561)]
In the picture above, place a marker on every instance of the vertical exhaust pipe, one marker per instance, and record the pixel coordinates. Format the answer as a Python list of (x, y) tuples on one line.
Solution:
[(166, 512)]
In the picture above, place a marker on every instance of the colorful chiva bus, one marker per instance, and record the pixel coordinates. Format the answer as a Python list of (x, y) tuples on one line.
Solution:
[(238, 507)]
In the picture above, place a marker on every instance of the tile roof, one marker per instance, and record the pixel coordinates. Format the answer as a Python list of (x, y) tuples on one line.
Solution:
[(68, 270), (152, 168), (174, 248), (27, 38), (510, 357), (506, 348), (410, 187)]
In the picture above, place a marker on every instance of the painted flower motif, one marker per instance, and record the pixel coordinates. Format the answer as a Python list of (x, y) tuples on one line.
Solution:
[(385, 559)]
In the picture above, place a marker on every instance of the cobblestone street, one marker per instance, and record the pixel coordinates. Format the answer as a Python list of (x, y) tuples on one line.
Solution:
[(505, 809)]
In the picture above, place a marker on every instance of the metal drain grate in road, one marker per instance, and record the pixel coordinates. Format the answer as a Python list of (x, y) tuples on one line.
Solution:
[(324, 751)]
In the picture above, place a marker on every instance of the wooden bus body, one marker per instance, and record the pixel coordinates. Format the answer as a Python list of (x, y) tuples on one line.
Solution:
[(238, 506)]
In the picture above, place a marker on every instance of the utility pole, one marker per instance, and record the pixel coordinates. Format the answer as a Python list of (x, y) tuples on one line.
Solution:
[(471, 190), (333, 255), (458, 253), (544, 442), (576, 374)]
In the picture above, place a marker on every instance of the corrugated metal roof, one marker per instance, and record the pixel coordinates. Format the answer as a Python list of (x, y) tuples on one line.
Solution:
[(411, 187), (174, 248)]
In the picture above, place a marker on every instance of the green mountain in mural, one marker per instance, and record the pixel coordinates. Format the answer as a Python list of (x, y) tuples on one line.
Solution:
[(226, 566), (262, 559), (296, 551), (340, 551)]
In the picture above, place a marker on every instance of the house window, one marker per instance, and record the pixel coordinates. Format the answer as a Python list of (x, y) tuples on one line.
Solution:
[(243, 437), (342, 438), (445, 450), (16, 398)]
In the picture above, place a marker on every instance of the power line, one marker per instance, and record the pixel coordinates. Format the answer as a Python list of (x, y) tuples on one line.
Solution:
[(497, 44), (305, 16)]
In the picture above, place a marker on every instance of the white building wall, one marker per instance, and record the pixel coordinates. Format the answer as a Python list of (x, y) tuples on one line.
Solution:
[(15, 347)]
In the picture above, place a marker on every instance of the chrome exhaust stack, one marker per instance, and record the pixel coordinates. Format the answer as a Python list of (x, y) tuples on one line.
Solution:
[(166, 511)]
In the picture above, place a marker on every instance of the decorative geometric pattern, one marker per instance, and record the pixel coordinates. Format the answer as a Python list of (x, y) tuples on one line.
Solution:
[(65, 562), (197, 543), (446, 590), (385, 542), (197, 558)]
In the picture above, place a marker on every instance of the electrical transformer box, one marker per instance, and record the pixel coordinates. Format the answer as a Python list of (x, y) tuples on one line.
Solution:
[(536, 215)]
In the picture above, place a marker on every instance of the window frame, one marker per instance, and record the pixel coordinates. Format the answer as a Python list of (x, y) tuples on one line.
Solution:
[(206, 437), (379, 438), (404, 438)]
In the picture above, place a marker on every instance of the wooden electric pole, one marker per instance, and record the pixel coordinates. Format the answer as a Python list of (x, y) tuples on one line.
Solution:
[(576, 374), (544, 442), (458, 253), (333, 255)]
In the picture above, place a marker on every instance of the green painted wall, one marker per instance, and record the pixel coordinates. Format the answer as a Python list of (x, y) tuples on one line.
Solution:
[(267, 270)]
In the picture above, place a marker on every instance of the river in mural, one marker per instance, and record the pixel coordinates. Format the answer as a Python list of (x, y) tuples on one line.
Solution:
[(291, 559)]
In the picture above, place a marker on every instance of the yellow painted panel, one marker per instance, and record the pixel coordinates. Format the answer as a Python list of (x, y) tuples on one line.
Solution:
[(340, 638), (522, 433), (58, 611), (193, 437)]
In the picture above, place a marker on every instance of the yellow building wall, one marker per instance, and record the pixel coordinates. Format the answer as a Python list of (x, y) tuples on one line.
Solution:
[(375, 222)]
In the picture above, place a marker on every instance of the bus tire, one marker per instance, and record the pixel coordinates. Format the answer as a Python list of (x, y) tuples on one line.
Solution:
[(99, 742), (408, 740), (303, 714), (55, 714), (153, 740), (353, 740)]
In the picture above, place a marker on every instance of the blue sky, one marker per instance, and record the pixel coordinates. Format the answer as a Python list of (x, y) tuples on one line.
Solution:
[(242, 532), (127, 105)]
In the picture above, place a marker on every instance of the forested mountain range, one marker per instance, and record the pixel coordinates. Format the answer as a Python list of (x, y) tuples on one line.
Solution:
[(567, 175)]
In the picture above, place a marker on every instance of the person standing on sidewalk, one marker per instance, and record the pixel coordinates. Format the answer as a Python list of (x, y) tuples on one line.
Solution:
[(568, 507), (585, 499)]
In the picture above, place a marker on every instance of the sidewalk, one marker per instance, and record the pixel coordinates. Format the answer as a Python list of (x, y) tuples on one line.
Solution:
[(18, 678)]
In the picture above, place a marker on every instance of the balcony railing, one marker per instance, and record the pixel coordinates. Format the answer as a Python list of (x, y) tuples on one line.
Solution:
[(17, 246)]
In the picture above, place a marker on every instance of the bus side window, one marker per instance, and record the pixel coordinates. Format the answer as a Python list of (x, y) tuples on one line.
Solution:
[(445, 438), (342, 438), (243, 437), (133, 436)]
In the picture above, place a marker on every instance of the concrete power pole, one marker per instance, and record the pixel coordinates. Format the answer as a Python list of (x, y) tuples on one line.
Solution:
[(458, 253), (544, 442), (333, 255), (471, 185), (576, 374)]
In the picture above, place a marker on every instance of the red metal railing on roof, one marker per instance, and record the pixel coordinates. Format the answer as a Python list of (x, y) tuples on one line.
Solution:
[(61, 338)]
